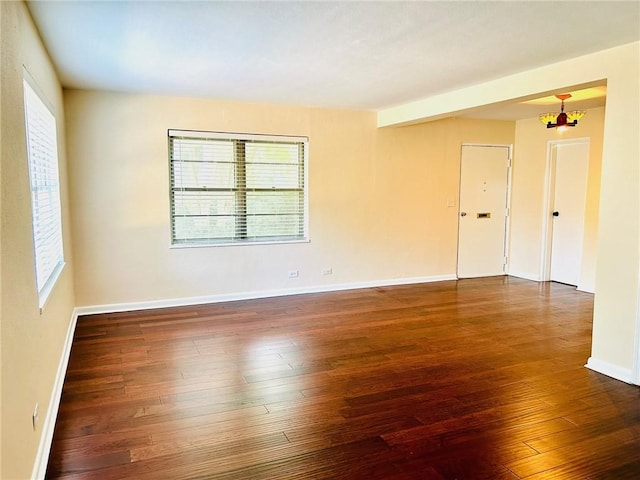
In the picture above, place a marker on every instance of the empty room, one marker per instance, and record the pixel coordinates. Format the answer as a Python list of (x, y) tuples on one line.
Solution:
[(320, 240)]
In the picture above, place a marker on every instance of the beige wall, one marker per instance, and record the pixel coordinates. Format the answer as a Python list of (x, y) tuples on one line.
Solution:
[(395, 225), (417, 173), (527, 198), (32, 343), (616, 316), (1, 161), (378, 199)]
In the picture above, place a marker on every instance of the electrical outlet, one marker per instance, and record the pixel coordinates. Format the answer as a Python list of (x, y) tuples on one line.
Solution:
[(327, 271), (34, 416), (293, 273)]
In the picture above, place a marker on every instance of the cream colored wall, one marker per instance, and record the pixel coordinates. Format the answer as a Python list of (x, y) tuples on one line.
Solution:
[(1, 157), (417, 174), (119, 177), (527, 198), (32, 343), (378, 199), (616, 316)]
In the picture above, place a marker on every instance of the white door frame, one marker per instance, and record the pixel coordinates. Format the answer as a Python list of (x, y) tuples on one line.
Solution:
[(507, 223), (547, 230)]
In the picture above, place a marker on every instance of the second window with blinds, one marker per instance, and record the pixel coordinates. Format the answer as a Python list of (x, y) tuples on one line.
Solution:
[(231, 188)]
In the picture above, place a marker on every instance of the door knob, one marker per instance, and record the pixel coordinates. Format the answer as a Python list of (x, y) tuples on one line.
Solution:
[(463, 214), (555, 214)]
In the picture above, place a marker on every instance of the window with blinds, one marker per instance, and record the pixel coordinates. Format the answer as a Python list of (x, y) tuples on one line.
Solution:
[(42, 154), (237, 188)]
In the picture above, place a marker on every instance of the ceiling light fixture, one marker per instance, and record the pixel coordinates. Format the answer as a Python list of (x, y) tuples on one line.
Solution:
[(562, 120)]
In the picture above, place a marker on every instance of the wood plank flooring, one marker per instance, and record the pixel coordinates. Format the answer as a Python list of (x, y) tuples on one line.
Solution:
[(474, 379)]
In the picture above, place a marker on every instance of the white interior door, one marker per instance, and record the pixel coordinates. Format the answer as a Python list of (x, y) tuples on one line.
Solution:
[(569, 200), (483, 210)]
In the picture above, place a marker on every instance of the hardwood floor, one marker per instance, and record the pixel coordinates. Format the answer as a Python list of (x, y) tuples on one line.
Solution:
[(475, 379)]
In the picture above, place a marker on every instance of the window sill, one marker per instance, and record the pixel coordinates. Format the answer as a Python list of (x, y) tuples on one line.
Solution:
[(237, 244), (45, 293)]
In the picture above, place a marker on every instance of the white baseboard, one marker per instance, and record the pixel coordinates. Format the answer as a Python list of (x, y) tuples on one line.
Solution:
[(46, 438), (230, 297), (610, 370), (483, 275), (49, 425), (586, 288), (526, 275)]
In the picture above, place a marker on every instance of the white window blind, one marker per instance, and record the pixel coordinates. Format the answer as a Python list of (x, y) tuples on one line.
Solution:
[(42, 154), (237, 188)]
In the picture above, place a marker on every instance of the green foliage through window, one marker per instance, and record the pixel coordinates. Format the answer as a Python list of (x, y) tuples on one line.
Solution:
[(228, 188)]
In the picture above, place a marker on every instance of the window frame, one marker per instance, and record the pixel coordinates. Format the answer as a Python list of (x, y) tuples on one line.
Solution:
[(240, 139), (38, 109)]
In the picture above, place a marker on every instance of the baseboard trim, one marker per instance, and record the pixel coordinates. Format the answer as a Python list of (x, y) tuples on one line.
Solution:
[(49, 425), (586, 288), (483, 275), (610, 370), (525, 275), (230, 297)]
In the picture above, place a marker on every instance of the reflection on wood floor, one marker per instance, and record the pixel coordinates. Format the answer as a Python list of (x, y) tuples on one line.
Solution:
[(474, 379)]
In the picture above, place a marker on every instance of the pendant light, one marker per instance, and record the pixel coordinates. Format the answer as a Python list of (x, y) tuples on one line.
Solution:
[(562, 120)]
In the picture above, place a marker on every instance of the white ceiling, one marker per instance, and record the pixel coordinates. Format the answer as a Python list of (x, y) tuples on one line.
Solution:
[(361, 55)]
